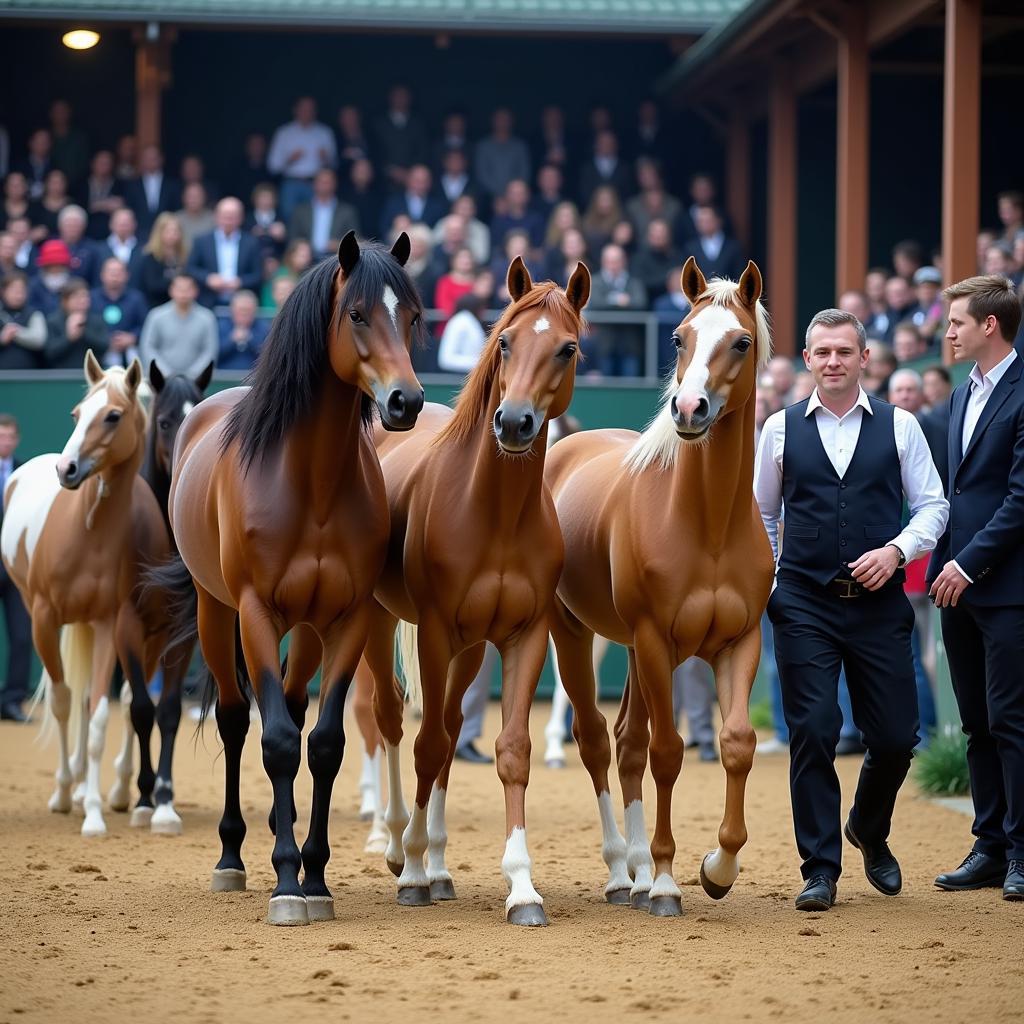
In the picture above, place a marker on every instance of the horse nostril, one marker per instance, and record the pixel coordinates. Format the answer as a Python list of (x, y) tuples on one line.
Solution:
[(396, 404), (71, 471), (526, 425), (702, 409)]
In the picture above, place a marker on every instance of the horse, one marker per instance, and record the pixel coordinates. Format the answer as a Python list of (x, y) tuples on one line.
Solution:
[(665, 553), (474, 555), (173, 398), (280, 517), (78, 530)]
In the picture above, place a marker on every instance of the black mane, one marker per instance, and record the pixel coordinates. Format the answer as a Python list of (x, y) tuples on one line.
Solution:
[(286, 379)]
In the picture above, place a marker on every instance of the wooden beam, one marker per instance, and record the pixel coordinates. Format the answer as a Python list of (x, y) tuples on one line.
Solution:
[(961, 137), (152, 76), (780, 273), (852, 147), (737, 176)]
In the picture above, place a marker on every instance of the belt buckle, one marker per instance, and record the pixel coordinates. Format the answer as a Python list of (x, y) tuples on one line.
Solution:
[(850, 592)]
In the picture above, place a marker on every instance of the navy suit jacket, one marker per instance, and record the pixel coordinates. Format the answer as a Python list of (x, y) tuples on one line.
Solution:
[(202, 261), (433, 211), (985, 533)]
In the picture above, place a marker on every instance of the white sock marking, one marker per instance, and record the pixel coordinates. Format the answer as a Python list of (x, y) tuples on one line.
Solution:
[(94, 824), (437, 837), (613, 846), (515, 866), (414, 844), (638, 849)]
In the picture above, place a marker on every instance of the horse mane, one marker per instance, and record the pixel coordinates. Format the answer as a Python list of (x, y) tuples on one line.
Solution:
[(113, 378), (659, 444), (471, 404), (289, 373), (177, 390)]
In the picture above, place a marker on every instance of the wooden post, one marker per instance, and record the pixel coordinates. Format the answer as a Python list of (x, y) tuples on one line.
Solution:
[(152, 76), (852, 140), (780, 273), (961, 139), (737, 185)]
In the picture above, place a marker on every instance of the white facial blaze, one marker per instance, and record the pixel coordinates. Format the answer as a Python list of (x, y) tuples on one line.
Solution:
[(390, 300), (541, 325), (710, 326), (187, 407), (87, 412)]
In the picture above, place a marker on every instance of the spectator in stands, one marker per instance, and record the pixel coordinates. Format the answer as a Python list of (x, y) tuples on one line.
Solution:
[(477, 235), (122, 242), (195, 216), (999, 260), (22, 328), (280, 289), (364, 195), (122, 309), (166, 255), (265, 225), (900, 304), (803, 387), (716, 253), (418, 265), (928, 315), (648, 141), (907, 259), (986, 238), (655, 258), (501, 157), (74, 328), (85, 260), (70, 149), (126, 159), (454, 180), (352, 141), (605, 167), (24, 251), (453, 285), (652, 202), (908, 343), (180, 335), (253, 169), (103, 194), (602, 214), (781, 373), (401, 138), (54, 263), (563, 217), (152, 193), (1011, 214), (227, 259), (8, 254), (702, 193), (624, 236), (618, 348), (298, 150), (451, 239), (241, 334), (324, 220), (16, 202), (517, 215), (881, 366), (874, 289), (45, 212), (550, 183), (416, 201), (517, 243), (454, 136), (938, 386), (562, 262), (670, 307), (553, 146), (464, 335), (856, 302), (193, 172), (906, 390), (297, 259), (37, 164)]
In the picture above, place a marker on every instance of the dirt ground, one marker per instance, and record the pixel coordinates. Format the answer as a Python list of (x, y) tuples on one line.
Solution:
[(124, 927)]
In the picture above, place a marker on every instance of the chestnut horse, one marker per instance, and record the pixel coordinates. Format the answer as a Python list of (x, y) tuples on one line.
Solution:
[(280, 516), (78, 530), (665, 553), (475, 555)]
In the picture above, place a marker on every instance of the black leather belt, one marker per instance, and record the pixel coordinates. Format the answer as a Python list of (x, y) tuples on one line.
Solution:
[(846, 588)]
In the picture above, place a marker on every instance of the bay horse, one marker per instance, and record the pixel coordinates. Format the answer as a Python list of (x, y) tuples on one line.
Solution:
[(173, 398), (474, 555), (78, 530), (280, 518), (665, 553)]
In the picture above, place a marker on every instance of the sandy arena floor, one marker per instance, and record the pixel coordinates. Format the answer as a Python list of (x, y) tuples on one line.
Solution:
[(124, 928)]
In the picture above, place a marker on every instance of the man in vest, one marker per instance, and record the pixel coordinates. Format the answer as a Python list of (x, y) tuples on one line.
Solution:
[(840, 464)]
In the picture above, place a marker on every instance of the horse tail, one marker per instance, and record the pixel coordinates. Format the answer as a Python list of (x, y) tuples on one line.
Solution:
[(170, 583), (408, 659), (209, 697), (76, 643)]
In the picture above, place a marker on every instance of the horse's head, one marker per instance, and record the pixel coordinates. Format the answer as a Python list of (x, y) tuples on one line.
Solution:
[(110, 424), (378, 312), (537, 341), (720, 344), (175, 397)]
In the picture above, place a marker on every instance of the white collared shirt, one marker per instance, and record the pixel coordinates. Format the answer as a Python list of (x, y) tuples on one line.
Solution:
[(151, 184), (227, 252), (980, 393), (310, 140), (416, 205), (122, 250), (320, 232), (712, 244), (929, 509)]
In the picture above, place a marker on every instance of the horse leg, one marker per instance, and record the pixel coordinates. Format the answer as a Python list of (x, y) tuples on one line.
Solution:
[(103, 657), (574, 644), (654, 673), (129, 639), (735, 669), (373, 752), (168, 717), (631, 742), (79, 755), (120, 792), (217, 623), (554, 731), (282, 751), (46, 638), (305, 654)]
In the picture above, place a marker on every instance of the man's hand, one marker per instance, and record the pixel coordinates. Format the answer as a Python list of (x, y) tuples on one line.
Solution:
[(8, 333), (74, 326), (215, 283), (948, 586), (875, 568), (121, 340)]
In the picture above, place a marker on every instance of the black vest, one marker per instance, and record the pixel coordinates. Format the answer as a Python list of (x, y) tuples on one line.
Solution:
[(830, 522)]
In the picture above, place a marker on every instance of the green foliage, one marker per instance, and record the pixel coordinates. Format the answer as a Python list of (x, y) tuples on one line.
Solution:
[(761, 715), (941, 770)]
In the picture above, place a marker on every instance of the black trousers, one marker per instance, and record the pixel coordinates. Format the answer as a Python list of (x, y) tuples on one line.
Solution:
[(19, 641), (817, 633), (985, 648)]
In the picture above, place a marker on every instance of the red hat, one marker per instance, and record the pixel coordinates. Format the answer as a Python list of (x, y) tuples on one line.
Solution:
[(54, 254)]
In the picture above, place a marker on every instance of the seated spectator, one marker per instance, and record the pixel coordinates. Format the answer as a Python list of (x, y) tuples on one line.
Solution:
[(671, 308), (907, 259), (803, 387), (264, 224), (180, 335), (352, 142), (241, 334), (193, 172), (552, 146), (70, 152), (623, 236), (44, 213), (652, 202), (881, 366), (906, 391), (122, 309), (8, 254), (38, 163), (297, 259), (253, 168), (85, 260), (605, 167), (454, 179), (929, 315), (517, 243), (999, 259), (781, 373), (226, 259), (166, 255), (418, 265), (618, 348), (416, 201), (908, 343), (152, 192), (454, 136), (126, 159), (363, 194), (25, 253), (986, 237), (561, 263), (856, 302), (874, 289), (716, 254), (22, 328), (103, 194), (549, 192), (324, 220), (447, 243), (195, 216), (280, 289), (603, 212), (73, 329), (501, 157), (122, 242), (649, 142), (703, 192), (400, 138), (564, 216), (1011, 214), (516, 215), (298, 150), (655, 258), (453, 285), (54, 263), (16, 202), (477, 234), (900, 304), (464, 336), (938, 386)]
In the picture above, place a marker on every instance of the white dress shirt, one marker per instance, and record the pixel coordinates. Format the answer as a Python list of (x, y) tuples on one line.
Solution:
[(227, 255), (712, 246), (309, 139), (122, 249), (320, 232), (151, 183), (929, 509)]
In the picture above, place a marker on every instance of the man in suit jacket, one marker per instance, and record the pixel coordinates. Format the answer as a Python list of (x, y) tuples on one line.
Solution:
[(324, 221), (416, 202), (717, 253), (19, 626), (152, 192), (226, 259), (605, 167), (977, 577)]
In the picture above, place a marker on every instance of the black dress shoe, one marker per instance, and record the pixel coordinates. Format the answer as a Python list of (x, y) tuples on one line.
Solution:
[(849, 745), (11, 712), (978, 871), (1013, 887), (819, 893), (880, 866), (468, 752)]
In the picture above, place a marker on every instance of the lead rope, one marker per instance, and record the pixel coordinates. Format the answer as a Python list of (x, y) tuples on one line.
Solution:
[(101, 492)]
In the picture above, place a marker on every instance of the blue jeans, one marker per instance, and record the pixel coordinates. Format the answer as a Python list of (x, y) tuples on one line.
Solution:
[(925, 698), (293, 192)]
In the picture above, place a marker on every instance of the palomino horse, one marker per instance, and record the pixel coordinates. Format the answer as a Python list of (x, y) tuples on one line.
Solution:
[(665, 553), (174, 397), (78, 530), (475, 555), (280, 516)]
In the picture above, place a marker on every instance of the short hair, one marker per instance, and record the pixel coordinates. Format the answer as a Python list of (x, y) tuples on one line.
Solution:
[(906, 371), (180, 275), (989, 295), (939, 369), (7, 420), (73, 285), (10, 278), (908, 325), (1012, 196), (836, 318), (71, 210), (245, 293)]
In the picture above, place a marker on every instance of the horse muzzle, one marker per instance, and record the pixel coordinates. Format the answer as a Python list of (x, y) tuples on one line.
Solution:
[(693, 415), (72, 473), (516, 426), (399, 406)]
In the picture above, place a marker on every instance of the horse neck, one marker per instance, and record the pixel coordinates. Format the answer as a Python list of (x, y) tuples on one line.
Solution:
[(154, 474), (105, 499)]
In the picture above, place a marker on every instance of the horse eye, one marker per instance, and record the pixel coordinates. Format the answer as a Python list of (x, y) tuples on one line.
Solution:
[(677, 341), (112, 417), (567, 351), (164, 424), (353, 315), (503, 343), (742, 345)]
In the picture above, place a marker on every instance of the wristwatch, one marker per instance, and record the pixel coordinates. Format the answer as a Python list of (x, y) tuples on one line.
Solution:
[(903, 558)]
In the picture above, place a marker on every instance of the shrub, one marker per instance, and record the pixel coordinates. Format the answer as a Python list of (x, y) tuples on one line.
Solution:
[(941, 769)]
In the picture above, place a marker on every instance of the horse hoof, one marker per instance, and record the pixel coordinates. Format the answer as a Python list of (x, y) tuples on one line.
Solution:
[(78, 797), (527, 915), (442, 889), (375, 844), (395, 868), (228, 880), (640, 900), (287, 911), (141, 817), (715, 891), (414, 896), (618, 897), (165, 821), (554, 762), (320, 908), (92, 827), (666, 906), (118, 798), (60, 802)]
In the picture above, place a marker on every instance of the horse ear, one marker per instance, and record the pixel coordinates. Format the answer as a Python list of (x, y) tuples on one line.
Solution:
[(156, 378), (348, 253), (93, 370), (133, 375), (519, 282), (578, 289), (203, 380), (692, 281), (750, 284), (401, 249)]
